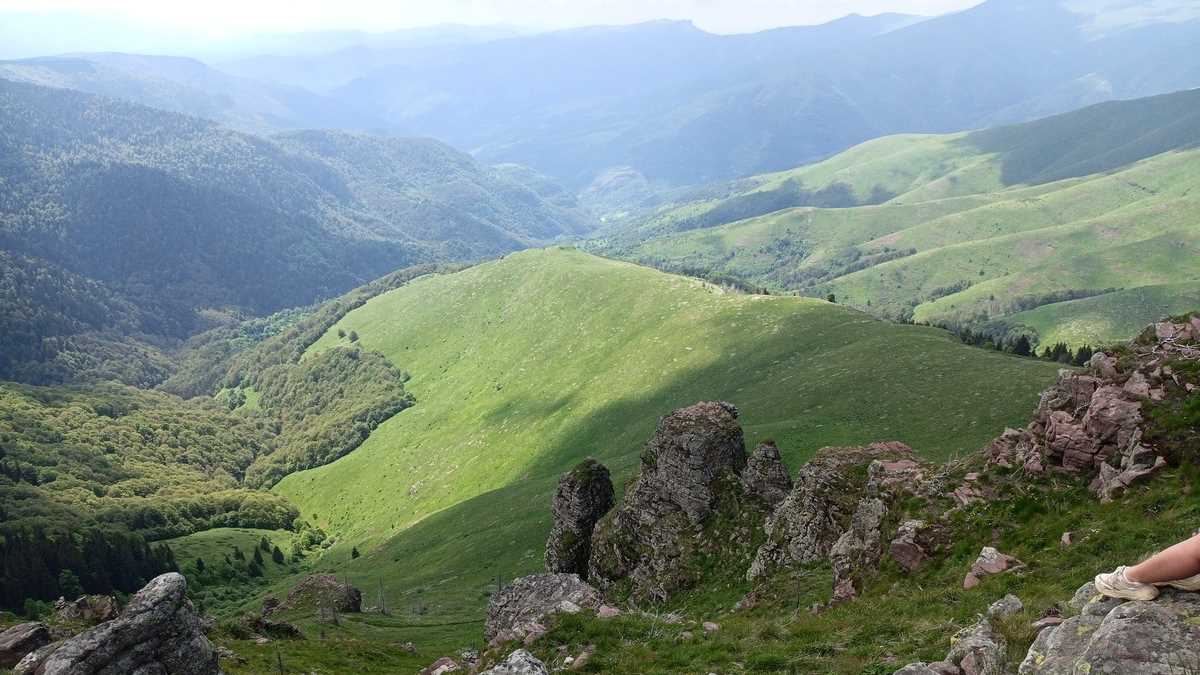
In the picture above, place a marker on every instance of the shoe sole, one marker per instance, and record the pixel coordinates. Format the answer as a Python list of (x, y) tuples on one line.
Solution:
[(1124, 593)]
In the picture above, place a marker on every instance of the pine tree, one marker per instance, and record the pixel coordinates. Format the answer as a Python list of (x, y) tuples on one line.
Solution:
[(277, 555), (354, 552)]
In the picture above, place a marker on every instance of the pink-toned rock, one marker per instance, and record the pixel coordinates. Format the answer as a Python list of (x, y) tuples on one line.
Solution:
[(1067, 539), (1103, 365), (1137, 385), (906, 549), (710, 627), (1112, 420), (965, 495), (607, 612), (442, 665), (1047, 622), (895, 476), (1066, 439), (990, 561), (1112, 481)]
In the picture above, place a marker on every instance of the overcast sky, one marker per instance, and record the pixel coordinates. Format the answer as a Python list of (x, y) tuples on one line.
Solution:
[(230, 18)]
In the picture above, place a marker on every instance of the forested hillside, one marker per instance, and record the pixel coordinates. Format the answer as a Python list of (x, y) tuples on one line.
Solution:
[(177, 220), (971, 230)]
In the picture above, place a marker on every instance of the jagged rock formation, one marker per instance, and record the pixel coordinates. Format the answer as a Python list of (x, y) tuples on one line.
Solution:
[(1092, 423), (766, 477), (912, 545), (522, 608), (20, 640), (159, 632), (323, 591), (805, 527), (1112, 636), (858, 549), (975, 650), (689, 468), (519, 662), (584, 495), (989, 562), (87, 608)]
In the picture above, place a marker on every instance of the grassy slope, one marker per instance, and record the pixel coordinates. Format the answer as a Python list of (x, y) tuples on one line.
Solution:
[(1008, 210), (525, 365), (1108, 318), (1131, 228)]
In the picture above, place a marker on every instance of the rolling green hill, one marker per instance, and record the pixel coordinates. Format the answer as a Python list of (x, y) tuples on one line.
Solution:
[(520, 367), (970, 228)]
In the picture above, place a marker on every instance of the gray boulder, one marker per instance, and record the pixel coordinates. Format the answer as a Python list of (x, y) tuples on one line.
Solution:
[(519, 662), (689, 468), (87, 608), (584, 495), (766, 477), (523, 607), (1112, 636), (20, 640), (975, 650), (158, 633)]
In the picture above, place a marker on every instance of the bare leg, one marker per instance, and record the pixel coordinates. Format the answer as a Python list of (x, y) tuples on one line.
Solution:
[(1178, 562)]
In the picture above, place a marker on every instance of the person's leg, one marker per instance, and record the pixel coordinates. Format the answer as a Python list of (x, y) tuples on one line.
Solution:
[(1178, 562)]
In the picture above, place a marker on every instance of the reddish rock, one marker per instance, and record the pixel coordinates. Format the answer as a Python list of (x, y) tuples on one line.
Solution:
[(990, 561), (442, 665)]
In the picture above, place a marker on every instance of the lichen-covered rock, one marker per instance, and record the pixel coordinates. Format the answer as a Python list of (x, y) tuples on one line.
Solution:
[(766, 477), (20, 640), (856, 553), (525, 604), (1006, 606), (441, 666), (689, 468), (806, 525), (1112, 636), (159, 632), (519, 662), (323, 591), (975, 650), (584, 495), (979, 650), (87, 608)]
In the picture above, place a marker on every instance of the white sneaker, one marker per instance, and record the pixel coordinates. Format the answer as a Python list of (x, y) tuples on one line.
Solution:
[(1188, 584), (1115, 585)]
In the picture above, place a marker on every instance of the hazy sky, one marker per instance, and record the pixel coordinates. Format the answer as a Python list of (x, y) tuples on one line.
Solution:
[(230, 18)]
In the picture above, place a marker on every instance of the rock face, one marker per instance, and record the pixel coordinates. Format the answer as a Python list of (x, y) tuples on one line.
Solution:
[(1091, 423), (806, 525), (323, 590), (910, 548), (1111, 636), (584, 495), (692, 464), (523, 607), (20, 640), (88, 608), (858, 549), (519, 662), (766, 477), (159, 632)]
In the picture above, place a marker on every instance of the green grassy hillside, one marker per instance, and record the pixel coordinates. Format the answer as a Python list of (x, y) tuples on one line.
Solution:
[(521, 367), (971, 228)]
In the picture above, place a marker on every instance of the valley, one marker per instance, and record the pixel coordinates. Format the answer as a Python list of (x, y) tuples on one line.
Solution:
[(618, 341)]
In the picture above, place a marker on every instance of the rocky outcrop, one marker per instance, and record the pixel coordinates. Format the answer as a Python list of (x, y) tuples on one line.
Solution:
[(584, 495), (1112, 636), (519, 662), (975, 650), (87, 608), (689, 468), (159, 632), (766, 477), (858, 549), (20, 640), (1092, 423), (806, 525), (523, 607), (318, 591)]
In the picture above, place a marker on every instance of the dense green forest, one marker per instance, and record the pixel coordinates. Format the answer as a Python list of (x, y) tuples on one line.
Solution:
[(121, 219)]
